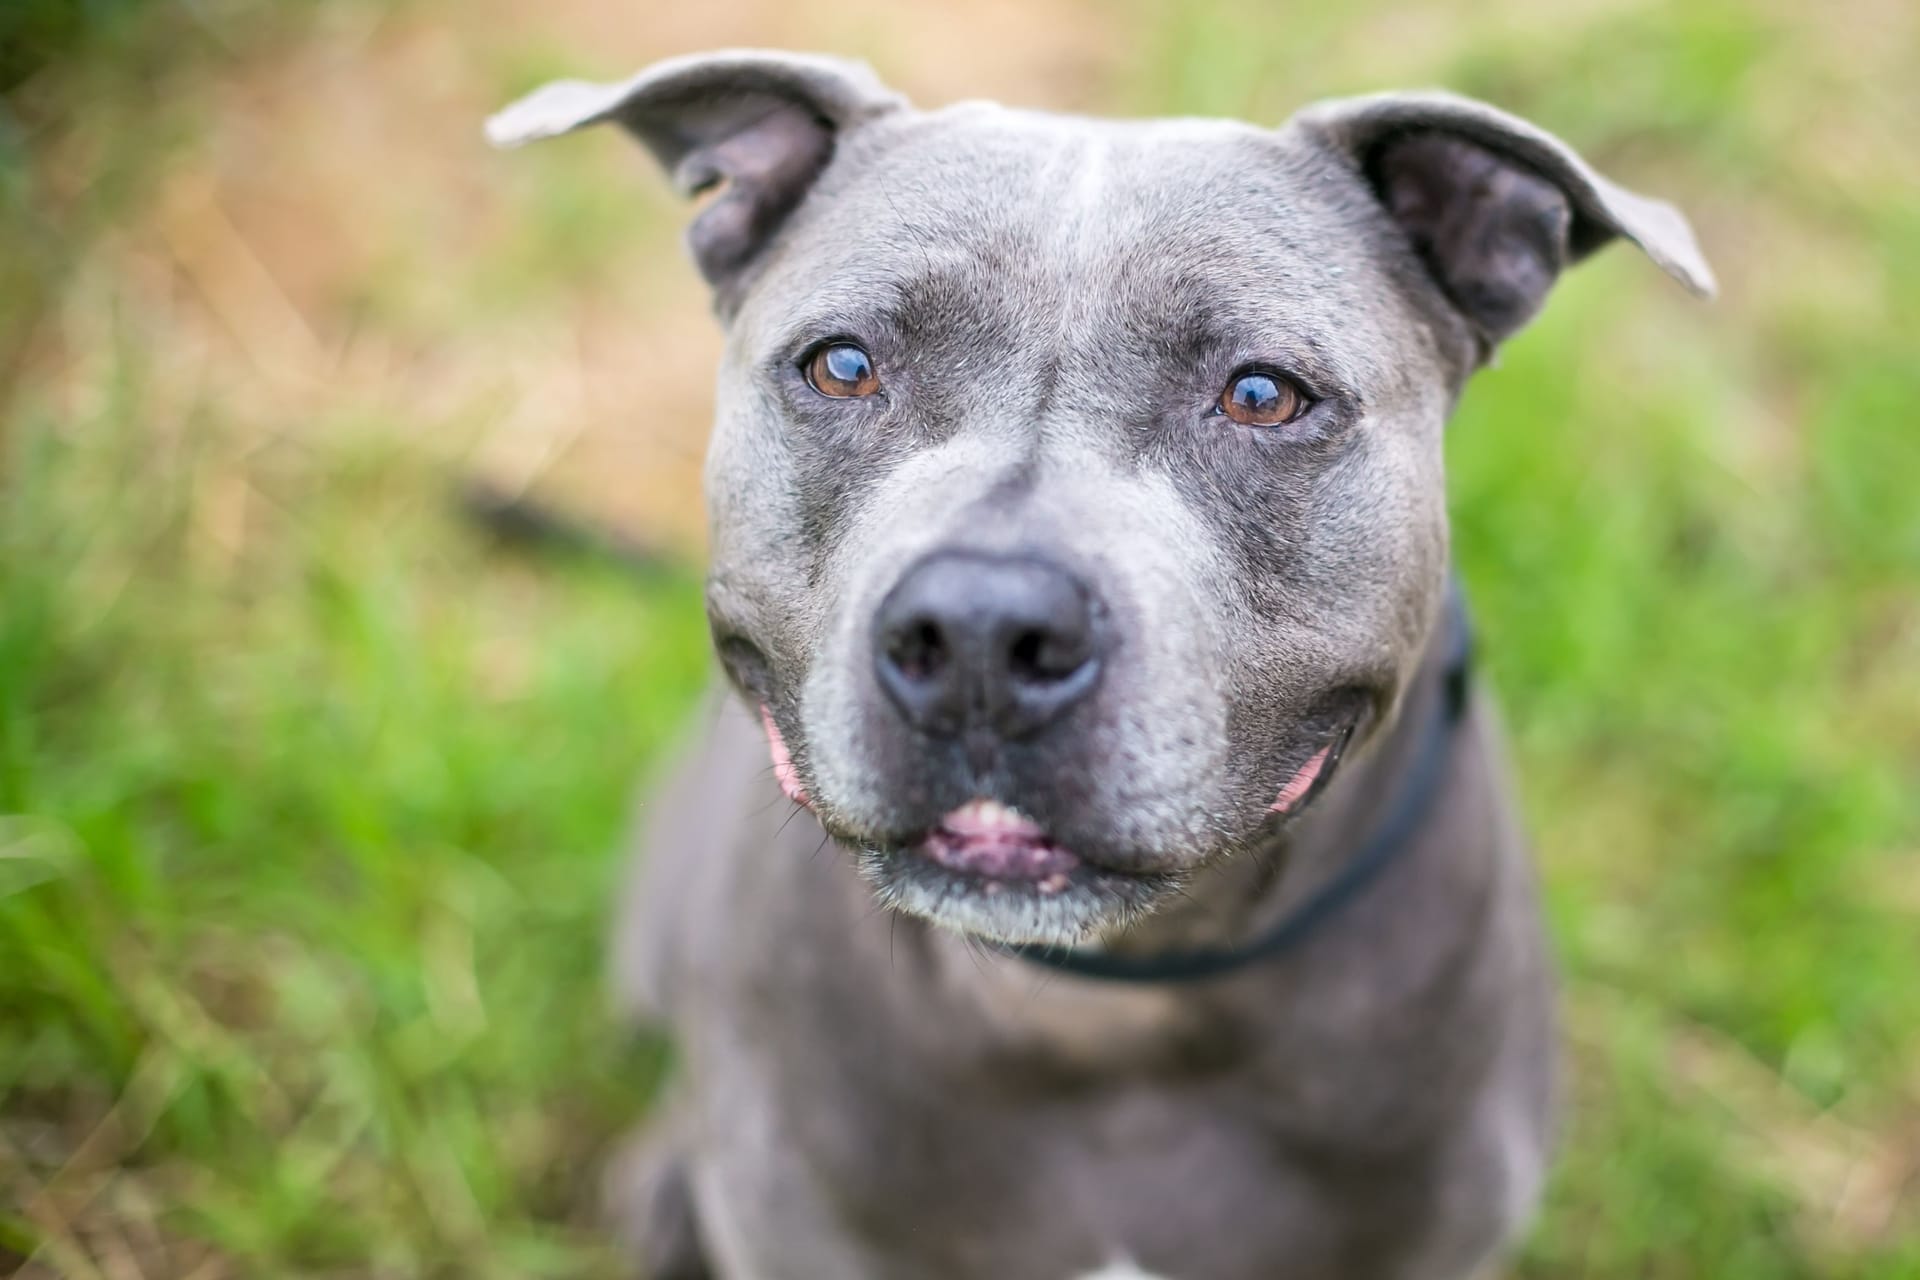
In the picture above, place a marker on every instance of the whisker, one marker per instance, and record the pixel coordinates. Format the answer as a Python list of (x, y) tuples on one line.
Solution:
[(798, 809)]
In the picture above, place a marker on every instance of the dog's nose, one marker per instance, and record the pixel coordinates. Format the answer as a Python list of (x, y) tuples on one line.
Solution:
[(968, 641)]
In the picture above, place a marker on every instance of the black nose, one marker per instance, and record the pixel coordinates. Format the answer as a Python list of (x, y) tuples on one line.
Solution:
[(967, 641)]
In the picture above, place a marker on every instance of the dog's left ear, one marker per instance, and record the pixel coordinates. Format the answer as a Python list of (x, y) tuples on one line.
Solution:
[(1495, 207), (763, 123)]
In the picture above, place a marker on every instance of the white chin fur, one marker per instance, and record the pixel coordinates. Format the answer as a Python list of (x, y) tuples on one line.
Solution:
[(1012, 915)]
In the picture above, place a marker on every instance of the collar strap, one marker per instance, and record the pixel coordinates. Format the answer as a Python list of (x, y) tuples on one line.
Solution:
[(1392, 838)]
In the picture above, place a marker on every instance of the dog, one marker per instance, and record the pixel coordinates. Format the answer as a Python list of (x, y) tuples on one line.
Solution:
[(1101, 864)]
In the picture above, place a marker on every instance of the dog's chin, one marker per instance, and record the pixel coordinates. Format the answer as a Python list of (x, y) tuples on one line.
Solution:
[(1057, 900)]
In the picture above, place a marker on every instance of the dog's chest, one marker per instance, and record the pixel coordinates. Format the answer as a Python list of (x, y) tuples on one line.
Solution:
[(1151, 1184), (930, 1135)]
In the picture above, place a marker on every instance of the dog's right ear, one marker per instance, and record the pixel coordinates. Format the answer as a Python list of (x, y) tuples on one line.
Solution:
[(1495, 207), (763, 123)]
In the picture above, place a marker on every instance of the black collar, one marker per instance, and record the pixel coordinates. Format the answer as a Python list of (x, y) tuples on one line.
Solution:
[(1392, 838)]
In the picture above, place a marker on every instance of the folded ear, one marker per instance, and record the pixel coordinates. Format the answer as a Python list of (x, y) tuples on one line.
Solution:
[(1495, 207), (763, 123)]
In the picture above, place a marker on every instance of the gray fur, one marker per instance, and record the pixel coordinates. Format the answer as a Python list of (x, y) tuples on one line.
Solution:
[(1054, 304)]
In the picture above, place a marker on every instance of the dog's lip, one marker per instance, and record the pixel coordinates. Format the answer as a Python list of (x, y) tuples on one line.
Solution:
[(784, 771), (1311, 779), (987, 869), (990, 841), (1057, 908)]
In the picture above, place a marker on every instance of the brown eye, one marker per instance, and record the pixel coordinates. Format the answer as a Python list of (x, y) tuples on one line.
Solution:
[(1257, 399), (843, 371)]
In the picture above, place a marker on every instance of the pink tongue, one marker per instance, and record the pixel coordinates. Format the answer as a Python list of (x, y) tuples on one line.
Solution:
[(1301, 782), (783, 771), (991, 840)]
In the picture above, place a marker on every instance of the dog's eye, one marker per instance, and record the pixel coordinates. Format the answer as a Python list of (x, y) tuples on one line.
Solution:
[(1256, 398), (843, 371)]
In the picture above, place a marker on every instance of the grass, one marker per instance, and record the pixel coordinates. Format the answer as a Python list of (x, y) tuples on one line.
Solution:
[(310, 799), (329, 970)]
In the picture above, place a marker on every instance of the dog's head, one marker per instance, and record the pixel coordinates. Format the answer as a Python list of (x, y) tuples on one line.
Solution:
[(1076, 486)]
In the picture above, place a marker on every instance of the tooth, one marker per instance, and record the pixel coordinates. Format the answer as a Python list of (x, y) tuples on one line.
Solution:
[(984, 817)]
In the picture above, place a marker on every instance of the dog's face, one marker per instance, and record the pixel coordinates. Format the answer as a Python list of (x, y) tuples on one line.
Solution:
[(1076, 486), (1136, 397)]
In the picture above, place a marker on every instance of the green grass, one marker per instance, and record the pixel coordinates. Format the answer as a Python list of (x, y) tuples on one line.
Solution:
[(35, 33), (310, 799), (306, 851)]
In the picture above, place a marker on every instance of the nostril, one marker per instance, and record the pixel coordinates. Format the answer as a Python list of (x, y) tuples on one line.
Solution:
[(919, 650), (1039, 655), (1028, 648)]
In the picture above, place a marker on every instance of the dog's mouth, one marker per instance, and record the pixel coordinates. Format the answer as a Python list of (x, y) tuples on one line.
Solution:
[(989, 870), (997, 845)]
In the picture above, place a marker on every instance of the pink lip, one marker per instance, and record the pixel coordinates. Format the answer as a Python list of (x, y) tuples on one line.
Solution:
[(1302, 782), (987, 839), (783, 771)]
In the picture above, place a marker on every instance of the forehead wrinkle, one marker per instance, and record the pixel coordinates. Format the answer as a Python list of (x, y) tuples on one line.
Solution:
[(1081, 212), (1206, 272), (1070, 224)]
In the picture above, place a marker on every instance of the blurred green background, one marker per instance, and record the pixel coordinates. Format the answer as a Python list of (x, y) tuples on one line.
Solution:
[(311, 798)]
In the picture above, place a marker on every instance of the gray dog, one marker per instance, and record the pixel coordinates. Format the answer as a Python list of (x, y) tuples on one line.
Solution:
[(1080, 560)]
